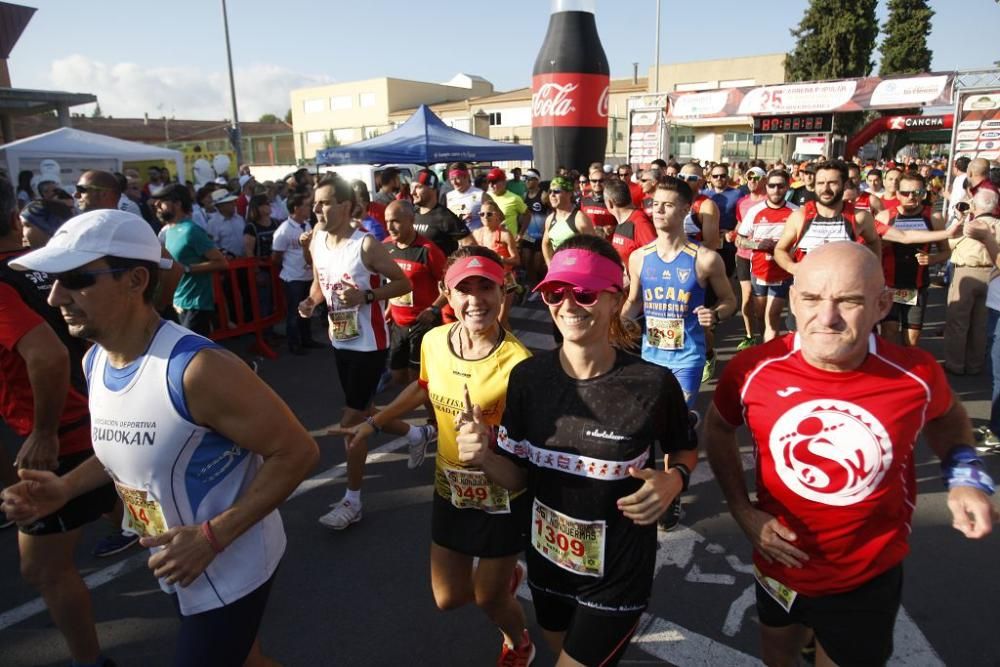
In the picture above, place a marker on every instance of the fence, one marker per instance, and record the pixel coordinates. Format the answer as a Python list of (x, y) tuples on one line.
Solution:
[(241, 277)]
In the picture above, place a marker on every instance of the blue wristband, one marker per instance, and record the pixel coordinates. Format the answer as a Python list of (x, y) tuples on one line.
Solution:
[(962, 467)]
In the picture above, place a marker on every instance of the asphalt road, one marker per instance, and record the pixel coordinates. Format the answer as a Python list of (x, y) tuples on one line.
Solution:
[(362, 596)]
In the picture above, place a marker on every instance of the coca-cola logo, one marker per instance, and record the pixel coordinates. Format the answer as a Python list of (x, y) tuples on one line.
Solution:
[(602, 104), (553, 99)]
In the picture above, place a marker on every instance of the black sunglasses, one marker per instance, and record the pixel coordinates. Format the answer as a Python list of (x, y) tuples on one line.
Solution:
[(776, 186), (690, 178), (597, 180), (83, 189), (78, 280), (911, 193)]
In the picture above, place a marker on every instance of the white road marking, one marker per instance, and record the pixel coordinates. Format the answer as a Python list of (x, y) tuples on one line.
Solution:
[(103, 576), (738, 610), (696, 576), (680, 646)]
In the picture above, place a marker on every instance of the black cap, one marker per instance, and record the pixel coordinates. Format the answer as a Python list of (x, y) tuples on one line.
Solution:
[(174, 192)]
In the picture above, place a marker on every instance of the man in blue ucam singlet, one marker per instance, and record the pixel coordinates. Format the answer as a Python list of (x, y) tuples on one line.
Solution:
[(200, 469), (667, 280)]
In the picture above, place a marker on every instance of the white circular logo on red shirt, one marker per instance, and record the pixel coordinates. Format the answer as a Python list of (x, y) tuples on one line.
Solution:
[(831, 452)]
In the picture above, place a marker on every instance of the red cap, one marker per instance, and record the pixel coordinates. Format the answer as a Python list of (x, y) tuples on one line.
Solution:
[(474, 265), (496, 174)]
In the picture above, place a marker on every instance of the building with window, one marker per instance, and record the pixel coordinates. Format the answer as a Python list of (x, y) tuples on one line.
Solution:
[(343, 113)]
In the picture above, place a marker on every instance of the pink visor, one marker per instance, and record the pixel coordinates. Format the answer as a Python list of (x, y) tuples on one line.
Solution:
[(457, 173), (473, 266), (583, 269)]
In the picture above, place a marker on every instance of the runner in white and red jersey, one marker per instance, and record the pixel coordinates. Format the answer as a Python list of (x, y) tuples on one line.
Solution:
[(835, 412), (863, 201), (759, 231), (829, 218), (757, 193)]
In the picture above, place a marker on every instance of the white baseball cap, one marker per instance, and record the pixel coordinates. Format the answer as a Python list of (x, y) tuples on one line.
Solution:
[(91, 236)]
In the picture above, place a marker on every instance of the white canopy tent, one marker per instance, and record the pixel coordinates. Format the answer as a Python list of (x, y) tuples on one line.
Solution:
[(76, 151)]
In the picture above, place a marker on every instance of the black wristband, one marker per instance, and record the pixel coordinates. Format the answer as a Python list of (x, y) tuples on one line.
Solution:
[(685, 474)]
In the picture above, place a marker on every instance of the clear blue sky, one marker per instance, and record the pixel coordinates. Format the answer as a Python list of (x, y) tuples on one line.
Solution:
[(171, 60)]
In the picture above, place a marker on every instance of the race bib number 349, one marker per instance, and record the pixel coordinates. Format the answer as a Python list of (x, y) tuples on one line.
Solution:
[(470, 489), (577, 546)]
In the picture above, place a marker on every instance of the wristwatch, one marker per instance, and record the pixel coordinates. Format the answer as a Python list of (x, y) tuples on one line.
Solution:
[(715, 317), (369, 296)]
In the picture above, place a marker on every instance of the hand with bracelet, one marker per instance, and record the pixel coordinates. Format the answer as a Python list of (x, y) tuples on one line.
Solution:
[(969, 487)]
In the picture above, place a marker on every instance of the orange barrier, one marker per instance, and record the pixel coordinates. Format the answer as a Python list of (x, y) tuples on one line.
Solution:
[(242, 275)]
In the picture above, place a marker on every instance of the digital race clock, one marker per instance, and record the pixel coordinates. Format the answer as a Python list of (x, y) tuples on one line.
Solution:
[(811, 123)]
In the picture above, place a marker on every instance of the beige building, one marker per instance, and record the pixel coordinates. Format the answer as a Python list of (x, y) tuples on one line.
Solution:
[(343, 113)]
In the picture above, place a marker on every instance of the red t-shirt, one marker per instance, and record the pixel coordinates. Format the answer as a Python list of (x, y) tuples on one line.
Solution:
[(635, 232), (835, 453), (763, 222), (635, 190), (16, 398), (598, 212), (423, 263)]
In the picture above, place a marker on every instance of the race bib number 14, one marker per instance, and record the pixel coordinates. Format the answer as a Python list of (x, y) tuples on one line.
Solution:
[(143, 515)]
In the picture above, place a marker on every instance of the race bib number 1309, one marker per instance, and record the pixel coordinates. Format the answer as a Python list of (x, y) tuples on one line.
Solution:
[(574, 545)]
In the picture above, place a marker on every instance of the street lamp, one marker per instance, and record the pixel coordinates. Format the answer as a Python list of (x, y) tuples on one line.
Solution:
[(234, 131)]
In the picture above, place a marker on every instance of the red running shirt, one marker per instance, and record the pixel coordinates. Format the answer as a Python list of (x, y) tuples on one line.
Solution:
[(17, 406), (763, 222), (423, 263), (835, 453), (632, 234)]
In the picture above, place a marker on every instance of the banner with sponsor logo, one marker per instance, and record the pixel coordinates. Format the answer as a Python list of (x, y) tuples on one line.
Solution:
[(846, 95), (648, 132), (977, 125)]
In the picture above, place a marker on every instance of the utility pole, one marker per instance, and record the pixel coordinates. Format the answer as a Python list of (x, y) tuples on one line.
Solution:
[(234, 131), (656, 57)]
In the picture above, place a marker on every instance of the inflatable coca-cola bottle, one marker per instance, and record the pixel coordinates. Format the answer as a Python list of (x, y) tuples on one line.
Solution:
[(569, 91)]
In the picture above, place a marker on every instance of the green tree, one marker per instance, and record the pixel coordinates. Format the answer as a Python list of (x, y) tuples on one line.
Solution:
[(269, 118), (904, 45), (904, 50), (331, 140), (834, 40), (288, 116)]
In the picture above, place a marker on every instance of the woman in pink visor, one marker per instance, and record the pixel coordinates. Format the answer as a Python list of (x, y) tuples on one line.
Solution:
[(577, 438), (464, 363)]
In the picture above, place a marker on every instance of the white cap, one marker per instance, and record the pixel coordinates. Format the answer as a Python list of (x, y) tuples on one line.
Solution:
[(608, 169), (222, 196), (91, 236)]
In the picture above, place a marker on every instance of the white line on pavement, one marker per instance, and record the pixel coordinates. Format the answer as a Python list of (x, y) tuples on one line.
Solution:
[(121, 568)]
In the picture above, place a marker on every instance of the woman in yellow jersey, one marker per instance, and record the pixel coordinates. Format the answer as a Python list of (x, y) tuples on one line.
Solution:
[(461, 363)]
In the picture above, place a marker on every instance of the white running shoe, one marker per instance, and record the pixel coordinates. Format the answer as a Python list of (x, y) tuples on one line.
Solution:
[(418, 450), (341, 516)]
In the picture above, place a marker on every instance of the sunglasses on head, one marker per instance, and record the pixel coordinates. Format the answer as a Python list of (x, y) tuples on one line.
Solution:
[(77, 280), (582, 297)]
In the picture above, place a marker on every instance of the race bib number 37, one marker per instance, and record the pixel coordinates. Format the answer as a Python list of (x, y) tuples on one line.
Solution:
[(577, 546), (470, 489), (143, 515)]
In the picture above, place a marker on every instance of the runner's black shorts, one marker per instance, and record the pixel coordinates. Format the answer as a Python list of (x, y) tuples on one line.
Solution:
[(222, 637), (593, 636), (854, 628), (530, 244), (743, 269), (473, 532), (359, 373), (404, 346), (79, 511), (909, 316)]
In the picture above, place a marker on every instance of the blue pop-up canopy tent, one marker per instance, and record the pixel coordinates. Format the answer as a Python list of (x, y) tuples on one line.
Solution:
[(423, 139)]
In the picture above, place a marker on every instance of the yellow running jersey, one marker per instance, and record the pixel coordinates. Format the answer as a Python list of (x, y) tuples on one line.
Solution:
[(444, 375)]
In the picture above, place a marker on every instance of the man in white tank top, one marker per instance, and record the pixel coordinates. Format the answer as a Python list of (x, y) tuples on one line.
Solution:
[(200, 472), (350, 270)]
